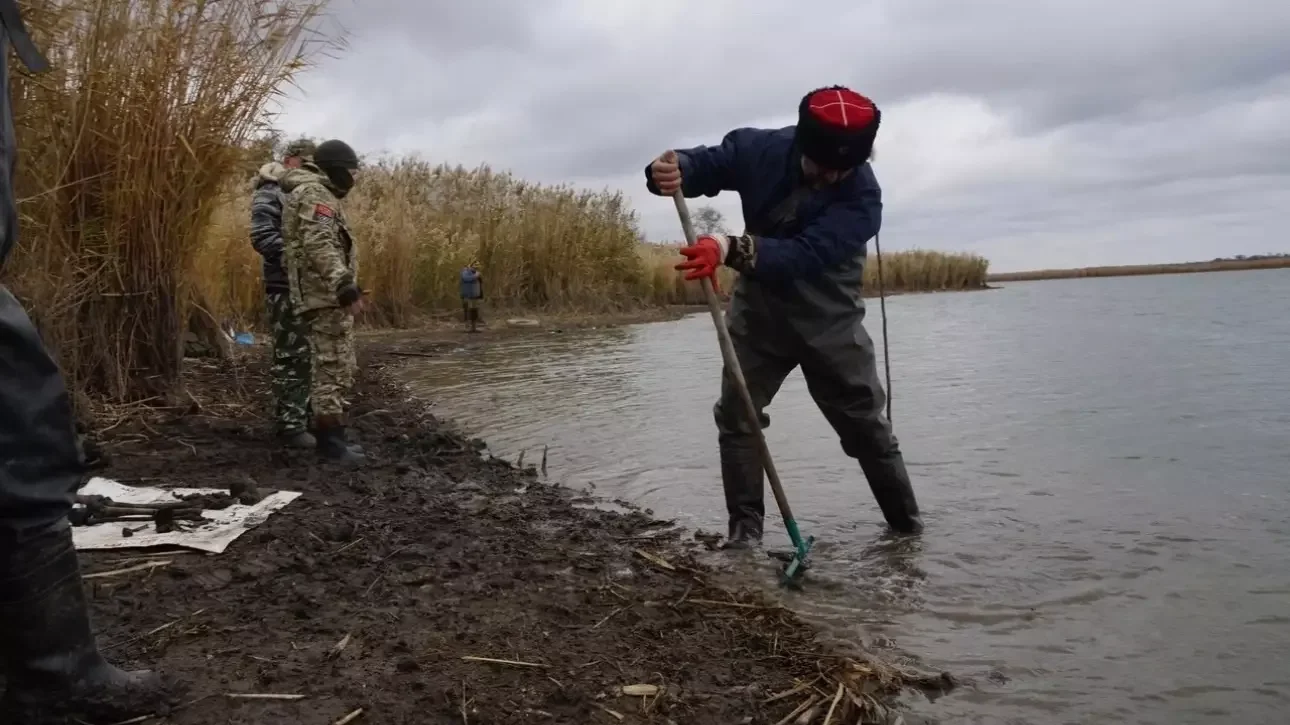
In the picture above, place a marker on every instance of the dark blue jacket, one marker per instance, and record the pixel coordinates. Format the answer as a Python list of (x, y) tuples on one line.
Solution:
[(266, 226), (472, 286), (832, 225)]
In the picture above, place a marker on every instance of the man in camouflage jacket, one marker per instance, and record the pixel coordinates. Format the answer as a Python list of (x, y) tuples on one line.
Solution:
[(291, 360), (322, 271)]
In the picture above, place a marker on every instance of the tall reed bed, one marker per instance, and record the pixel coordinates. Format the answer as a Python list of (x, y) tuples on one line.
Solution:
[(417, 224), (904, 271), (539, 247), (123, 146)]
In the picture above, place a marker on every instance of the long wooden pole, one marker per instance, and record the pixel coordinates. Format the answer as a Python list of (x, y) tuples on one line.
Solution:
[(737, 376)]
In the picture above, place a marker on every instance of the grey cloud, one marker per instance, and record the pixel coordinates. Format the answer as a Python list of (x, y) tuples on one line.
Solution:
[(441, 29), (1075, 66), (1156, 115)]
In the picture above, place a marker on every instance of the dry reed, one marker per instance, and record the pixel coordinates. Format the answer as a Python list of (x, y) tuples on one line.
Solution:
[(903, 271), (147, 110)]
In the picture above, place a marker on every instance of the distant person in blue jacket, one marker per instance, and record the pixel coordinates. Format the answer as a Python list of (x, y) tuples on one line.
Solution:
[(811, 203), (472, 293)]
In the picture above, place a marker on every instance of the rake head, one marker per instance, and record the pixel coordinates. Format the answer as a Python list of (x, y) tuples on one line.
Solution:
[(796, 562)]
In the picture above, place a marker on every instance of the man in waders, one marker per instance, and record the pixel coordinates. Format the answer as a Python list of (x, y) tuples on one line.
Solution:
[(472, 294), (811, 203), (52, 669)]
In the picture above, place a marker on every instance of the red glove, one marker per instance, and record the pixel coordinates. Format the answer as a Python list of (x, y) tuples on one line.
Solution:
[(704, 257)]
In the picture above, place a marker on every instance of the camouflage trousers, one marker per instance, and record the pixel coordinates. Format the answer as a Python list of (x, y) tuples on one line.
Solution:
[(291, 369), (331, 342)]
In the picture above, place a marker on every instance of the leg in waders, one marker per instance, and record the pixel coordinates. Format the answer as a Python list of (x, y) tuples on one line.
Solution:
[(52, 669)]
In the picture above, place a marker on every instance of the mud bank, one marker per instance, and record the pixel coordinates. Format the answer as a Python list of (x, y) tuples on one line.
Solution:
[(436, 586)]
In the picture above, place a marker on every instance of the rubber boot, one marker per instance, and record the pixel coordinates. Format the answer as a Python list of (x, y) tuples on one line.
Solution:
[(743, 479), (332, 444), (53, 671), (355, 447), (889, 482), (298, 439)]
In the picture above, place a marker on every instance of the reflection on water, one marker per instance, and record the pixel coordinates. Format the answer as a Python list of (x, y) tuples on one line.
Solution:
[(1103, 466)]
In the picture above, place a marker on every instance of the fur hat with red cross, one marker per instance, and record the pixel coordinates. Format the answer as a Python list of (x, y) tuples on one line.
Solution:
[(836, 127)]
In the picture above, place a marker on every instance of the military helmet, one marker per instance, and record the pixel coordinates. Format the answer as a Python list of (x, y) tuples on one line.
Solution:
[(301, 147), (335, 154)]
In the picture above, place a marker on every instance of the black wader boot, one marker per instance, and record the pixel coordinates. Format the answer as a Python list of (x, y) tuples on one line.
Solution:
[(53, 671), (743, 480), (889, 482)]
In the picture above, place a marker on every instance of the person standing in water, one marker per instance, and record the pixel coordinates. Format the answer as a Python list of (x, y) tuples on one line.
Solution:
[(812, 203)]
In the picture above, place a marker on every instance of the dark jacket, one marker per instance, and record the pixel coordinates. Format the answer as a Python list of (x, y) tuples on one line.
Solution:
[(472, 284), (266, 226), (832, 225), (801, 259)]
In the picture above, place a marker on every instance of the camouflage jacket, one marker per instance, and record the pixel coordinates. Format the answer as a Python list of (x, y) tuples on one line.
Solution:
[(318, 248)]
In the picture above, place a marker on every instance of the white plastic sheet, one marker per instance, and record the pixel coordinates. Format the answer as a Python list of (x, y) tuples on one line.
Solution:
[(222, 529)]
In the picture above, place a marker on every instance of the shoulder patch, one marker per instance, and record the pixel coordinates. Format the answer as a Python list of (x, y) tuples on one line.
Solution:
[(323, 213)]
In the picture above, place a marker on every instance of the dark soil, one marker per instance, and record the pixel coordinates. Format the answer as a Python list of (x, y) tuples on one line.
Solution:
[(373, 588)]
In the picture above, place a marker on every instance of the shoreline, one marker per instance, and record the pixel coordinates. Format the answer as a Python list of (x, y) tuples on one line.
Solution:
[(497, 324), (430, 556), (1141, 270), (438, 329)]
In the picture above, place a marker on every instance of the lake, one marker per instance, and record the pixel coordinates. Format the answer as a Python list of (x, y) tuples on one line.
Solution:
[(1103, 467)]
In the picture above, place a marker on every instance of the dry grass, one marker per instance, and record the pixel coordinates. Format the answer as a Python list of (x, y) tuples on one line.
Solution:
[(147, 110), (1218, 265), (904, 271)]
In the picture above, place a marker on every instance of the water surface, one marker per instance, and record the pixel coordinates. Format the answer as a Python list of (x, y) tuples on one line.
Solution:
[(1103, 464)]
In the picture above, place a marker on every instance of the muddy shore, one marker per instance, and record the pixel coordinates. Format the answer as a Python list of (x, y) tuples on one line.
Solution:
[(444, 331), (437, 585)]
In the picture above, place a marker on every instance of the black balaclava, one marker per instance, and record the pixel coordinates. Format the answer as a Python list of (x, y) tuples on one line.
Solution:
[(337, 160)]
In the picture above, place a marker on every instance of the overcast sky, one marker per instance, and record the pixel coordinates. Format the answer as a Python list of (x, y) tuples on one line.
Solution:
[(1039, 133)]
